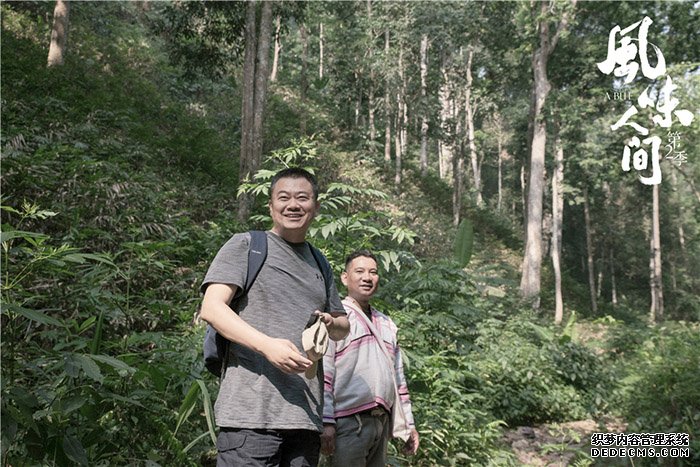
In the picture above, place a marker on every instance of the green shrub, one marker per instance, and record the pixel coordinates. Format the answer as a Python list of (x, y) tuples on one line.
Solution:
[(662, 392), (530, 375)]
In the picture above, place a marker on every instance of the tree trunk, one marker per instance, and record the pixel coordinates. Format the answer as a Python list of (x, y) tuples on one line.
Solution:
[(457, 176), (613, 284), (557, 223), (532, 261), (278, 49), (523, 199), (469, 121), (400, 127), (59, 33), (320, 50), (247, 111), (387, 105), (303, 79), (424, 105), (403, 107), (681, 231), (458, 187), (397, 142), (261, 72), (358, 99), (657, 294), (500, 175), (404, 126), (530, 283), (446, 122), (370, 91), (589, 252)]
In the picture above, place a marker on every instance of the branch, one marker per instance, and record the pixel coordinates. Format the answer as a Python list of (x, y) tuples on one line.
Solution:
[(689, 179), (567, 16)]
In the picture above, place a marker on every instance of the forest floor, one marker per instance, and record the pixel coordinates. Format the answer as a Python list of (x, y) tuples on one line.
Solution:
[(557, 444)]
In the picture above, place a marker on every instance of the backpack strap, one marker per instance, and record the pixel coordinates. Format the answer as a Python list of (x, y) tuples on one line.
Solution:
[(257, 253), (325, 268)]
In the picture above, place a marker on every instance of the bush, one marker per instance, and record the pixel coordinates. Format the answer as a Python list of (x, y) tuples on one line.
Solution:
[(530, 375), (662, 392)]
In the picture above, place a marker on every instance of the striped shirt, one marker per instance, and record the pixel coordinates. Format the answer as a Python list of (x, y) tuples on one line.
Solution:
[(356, 374)]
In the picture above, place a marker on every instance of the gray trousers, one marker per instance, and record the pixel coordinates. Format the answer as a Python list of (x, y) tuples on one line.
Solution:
[(361, 440), (267, 448)]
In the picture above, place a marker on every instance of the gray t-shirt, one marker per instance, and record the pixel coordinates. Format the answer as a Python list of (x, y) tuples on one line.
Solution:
[(254, 394)]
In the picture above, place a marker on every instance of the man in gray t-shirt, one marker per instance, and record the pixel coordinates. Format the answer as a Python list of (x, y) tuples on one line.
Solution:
[(268, 411)]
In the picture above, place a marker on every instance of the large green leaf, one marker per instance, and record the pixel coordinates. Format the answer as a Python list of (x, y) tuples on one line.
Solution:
[(34, 315), (75, 363), (464, 243), (74, 450), (187, 405), (122, 368), (208, 410), (6, 235)]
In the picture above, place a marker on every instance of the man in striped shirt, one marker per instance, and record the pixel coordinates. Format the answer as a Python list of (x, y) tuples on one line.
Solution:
[(359, 377)]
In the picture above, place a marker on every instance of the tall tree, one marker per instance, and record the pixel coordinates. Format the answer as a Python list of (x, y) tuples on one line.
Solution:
[(59, 33), (370, 55), (557, 223), (447, 117), (387, 103), (278, 48), (424, 104), (532, 261), (656, 285), (320, 50), (469, 110), (589, 251), (255, 83), (303, 76)]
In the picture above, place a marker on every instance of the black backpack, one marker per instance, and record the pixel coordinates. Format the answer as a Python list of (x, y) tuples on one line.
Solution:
[(215, 345)]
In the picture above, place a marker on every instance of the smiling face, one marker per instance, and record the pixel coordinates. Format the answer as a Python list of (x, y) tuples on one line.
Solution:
[(293, 208), (361, 277)]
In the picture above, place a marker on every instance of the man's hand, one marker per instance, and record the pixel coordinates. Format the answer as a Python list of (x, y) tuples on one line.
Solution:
[(337, 324), (285, 356), (411, 446), (328, 440)]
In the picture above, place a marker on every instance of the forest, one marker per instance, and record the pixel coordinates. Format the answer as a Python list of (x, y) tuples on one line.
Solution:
[(527, 172)]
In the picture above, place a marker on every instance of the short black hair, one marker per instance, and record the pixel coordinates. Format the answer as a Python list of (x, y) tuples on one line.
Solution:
[(357, 254), (295, 172)]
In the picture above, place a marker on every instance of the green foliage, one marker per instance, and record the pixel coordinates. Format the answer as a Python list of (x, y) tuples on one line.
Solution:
[(661, 390), (531, 375), (476, 362), (72, 396)]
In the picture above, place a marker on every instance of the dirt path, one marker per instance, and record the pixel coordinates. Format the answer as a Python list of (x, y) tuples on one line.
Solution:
[(556, 444)]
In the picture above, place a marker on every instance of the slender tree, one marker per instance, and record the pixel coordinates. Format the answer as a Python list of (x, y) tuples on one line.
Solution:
[(424, 104), (589, 251), (532, 261), (320, 50), (370, 91), (303, 78), (657, 292), (255, 82), (469, 110), (447, 118), (59, 33), (557, 223), (278, 48), (387, 104)]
